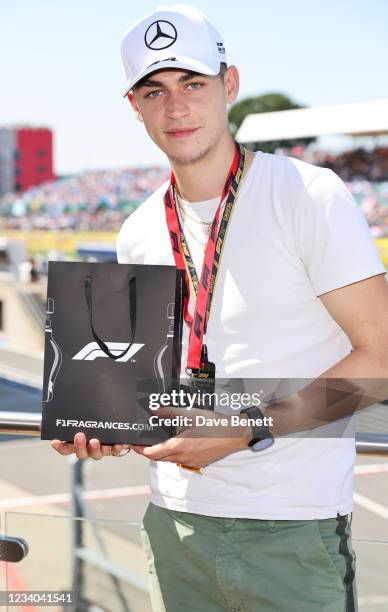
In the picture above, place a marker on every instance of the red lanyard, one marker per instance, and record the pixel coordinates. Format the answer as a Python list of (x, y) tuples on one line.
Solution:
[(204, 289)]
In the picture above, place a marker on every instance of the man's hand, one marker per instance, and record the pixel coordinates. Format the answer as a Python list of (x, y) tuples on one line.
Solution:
[(93, 450), (198, 445)]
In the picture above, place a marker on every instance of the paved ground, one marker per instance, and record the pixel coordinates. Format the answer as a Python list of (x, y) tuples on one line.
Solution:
[(21, 367), (34, 504)]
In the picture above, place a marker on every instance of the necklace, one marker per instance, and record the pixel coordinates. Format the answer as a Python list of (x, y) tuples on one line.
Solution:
[(185, 214), (205, 225)]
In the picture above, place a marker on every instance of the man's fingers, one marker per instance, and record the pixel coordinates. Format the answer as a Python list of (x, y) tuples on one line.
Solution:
[(94, 449), (151, 452), (120, 450), (97, 451), (106, 451), (163, 451), (63, 448), (116, 449), (138, 448), (80, 446)]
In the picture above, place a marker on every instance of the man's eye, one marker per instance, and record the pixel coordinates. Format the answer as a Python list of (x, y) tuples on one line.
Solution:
[(153, 94), (195, 85)]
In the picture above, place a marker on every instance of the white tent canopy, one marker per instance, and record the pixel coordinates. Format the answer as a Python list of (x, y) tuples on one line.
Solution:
[(360, 119)]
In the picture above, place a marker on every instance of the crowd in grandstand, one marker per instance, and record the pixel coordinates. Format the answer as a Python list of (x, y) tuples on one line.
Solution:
[(356, 164), (98, 200), (102, 200), (366, 176)]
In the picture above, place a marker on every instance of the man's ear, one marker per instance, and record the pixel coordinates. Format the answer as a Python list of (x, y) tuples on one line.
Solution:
[(133, 103), (232, 84)]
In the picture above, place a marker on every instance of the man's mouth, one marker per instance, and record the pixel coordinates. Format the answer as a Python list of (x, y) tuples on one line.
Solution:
[(180, 132)]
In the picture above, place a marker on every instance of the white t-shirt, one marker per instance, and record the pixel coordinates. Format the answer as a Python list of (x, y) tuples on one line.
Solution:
[(295, 234)]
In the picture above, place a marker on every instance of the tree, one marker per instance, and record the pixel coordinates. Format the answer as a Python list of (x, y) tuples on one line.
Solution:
[(269, 102)]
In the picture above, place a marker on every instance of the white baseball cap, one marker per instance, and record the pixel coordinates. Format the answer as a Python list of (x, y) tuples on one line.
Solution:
[(177, 36)]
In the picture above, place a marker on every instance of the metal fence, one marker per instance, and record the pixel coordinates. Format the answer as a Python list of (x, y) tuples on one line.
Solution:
[(28, 424)]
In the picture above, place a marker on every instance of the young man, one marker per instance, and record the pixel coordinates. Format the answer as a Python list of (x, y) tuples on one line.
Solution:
[(300, 293)]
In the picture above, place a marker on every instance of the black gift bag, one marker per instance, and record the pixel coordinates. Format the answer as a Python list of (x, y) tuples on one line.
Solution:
[(112, 338)]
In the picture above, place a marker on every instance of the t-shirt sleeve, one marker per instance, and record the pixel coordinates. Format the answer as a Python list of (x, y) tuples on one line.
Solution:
[(122, 246), (333, 237), (131, 241)]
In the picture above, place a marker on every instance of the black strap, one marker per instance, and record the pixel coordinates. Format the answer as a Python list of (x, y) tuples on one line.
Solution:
[(132, 315)]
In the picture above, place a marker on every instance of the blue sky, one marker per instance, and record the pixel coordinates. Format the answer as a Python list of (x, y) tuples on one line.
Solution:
[(60, 65)]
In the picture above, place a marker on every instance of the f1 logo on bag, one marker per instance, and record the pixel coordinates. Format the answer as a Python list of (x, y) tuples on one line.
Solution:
[(91, 351)]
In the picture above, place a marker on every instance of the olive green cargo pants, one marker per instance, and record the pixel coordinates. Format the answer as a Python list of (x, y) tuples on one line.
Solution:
[(208, 564)]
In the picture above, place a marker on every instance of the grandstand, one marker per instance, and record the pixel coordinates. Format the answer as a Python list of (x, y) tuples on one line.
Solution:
[(89, 201)]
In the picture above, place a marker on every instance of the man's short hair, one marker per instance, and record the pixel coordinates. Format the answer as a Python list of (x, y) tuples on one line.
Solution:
[(223, 69)]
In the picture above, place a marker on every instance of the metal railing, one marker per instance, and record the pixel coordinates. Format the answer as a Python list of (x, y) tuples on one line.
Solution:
[(371, 443), (28, 424), (16, 423), (34, 305)]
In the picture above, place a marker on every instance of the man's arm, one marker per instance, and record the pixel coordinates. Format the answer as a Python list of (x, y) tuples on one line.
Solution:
[(361, 310), (357, 381)]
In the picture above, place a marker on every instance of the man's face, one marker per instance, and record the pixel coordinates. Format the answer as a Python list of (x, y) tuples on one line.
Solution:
[(185, 113)]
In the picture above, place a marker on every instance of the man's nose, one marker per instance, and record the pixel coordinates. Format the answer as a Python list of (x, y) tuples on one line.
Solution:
[(176, 106)]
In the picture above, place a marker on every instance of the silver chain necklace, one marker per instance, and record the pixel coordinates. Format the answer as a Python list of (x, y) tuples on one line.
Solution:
[(183, 214)]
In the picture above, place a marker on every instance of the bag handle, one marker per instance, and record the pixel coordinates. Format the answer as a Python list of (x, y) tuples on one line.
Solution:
[(132, 315)]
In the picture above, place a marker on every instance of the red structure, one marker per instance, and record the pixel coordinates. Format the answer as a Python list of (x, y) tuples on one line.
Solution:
[(33, 157), (26, 156)]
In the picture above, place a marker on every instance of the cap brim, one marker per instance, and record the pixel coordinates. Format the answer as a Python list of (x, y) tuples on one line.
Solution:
[(208, 67)]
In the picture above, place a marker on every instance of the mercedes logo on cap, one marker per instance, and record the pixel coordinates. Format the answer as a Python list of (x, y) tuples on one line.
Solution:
[(160, 35)]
